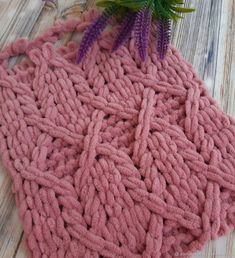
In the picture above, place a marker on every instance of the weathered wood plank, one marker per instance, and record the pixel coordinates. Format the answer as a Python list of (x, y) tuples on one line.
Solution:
[(21, 251), (10, 226), (197, 37), (224, 90), (206, 39), (17, 19)]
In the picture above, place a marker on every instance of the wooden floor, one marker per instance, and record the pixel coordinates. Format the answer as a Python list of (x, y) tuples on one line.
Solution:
[(206, 39)]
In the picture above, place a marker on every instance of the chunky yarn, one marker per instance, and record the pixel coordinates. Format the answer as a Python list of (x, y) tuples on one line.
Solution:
[(113, 157)]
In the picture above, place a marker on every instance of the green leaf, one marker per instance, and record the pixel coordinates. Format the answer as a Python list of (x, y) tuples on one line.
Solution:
[(134, 5), (177, 1), (160, 11), (104, 3), (183, 10), (163, 10)]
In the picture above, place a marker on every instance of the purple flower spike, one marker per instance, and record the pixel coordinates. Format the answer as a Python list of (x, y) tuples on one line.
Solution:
[(92, 33), (142, 30), (164, 36), (125, 30)]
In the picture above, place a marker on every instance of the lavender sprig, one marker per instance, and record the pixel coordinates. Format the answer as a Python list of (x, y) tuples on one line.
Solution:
[(93, 32), (164, 36), (125, 30), (142, 30)]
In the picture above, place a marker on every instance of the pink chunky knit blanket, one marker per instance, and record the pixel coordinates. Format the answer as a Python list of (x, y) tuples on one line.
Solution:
[(113, 157)]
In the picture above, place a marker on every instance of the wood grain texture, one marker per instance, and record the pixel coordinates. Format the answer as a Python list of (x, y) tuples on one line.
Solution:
[(206, 39)]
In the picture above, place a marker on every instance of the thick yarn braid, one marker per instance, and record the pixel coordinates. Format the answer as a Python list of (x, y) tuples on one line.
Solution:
[(114, 157)]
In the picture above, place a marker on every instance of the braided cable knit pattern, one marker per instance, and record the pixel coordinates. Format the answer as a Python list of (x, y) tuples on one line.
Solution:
[(113, 157)]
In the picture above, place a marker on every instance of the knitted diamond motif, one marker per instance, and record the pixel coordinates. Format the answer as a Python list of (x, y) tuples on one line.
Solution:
[(113, 157)]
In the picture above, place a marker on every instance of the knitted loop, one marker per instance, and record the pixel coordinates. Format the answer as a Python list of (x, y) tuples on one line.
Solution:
[(114, 157)]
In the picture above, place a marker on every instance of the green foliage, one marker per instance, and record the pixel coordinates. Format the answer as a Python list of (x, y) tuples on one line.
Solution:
[(118, 10), (183, 10), (162, 9), (105, 3), (133, 5)]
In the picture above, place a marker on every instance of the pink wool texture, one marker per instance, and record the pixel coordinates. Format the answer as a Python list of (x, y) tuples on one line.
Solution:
[(113, 157)]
